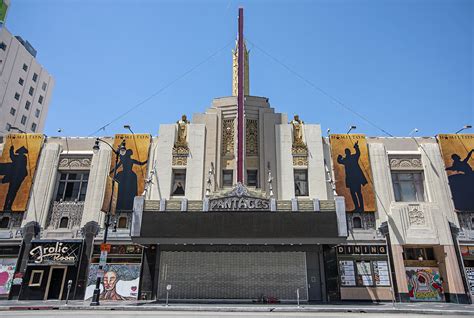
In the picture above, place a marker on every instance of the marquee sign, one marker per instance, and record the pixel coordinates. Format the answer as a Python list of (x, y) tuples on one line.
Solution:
[(54, 252), (361, 249), (239, 199)]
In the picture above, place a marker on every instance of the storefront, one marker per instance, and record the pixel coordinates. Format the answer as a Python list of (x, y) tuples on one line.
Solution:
[(364, 272), (52, 266), (8, 263), (467, 253), (120, 276)]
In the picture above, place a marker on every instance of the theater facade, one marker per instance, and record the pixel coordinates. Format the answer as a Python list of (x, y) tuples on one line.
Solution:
[(238, 203)]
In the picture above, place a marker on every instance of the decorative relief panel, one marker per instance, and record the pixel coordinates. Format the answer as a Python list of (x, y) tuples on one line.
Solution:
[(180, 148), (405, 163), (228, 136), (416, 217), (299, 148), (75, 162), (180, 155), (367, 220), (70, 209), (251, 137)]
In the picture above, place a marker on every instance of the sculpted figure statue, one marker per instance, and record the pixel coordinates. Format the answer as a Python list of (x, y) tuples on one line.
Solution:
[(182, 130), (297, 130)]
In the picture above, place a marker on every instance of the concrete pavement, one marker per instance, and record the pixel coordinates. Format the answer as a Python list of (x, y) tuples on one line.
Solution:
[(378, 308)]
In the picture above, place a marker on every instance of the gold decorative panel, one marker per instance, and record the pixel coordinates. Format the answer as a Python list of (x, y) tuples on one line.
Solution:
[(251, 137), (227, 136)]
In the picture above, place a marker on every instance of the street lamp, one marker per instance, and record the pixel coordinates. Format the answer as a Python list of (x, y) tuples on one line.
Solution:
[(463, 128), (120, 151)]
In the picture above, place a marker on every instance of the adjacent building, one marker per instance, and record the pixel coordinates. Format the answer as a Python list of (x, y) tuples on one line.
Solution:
[(25, 86)]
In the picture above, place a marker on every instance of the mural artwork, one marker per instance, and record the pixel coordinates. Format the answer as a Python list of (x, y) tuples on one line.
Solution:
[(457, 152), (119, 282), (131, 171), (424, 284), (17, 168), (7, 269), (352, 171)]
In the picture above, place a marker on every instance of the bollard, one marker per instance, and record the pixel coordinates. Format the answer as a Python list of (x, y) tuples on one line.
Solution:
[(168, 288), (69, 285)]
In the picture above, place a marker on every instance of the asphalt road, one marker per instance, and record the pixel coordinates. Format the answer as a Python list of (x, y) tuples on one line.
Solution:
[(198, 314)]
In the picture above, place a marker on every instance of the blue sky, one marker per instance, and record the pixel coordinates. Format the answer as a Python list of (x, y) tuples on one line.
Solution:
[(401, 64)]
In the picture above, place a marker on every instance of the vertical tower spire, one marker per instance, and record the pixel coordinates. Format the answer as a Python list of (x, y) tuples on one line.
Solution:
[(235, 68), (240, 100)]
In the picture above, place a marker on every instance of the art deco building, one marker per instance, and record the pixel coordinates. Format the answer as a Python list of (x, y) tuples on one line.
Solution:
[(262, 210)]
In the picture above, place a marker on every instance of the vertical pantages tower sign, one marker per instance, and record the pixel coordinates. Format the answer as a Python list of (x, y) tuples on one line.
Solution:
[(352, 171), (17, 169), (131, 171), (458, 155)]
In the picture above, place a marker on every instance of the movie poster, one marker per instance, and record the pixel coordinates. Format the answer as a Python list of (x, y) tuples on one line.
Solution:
[(457, 152), (350, 157), (131, 171), (424, 284), (7, 269), (17, 169), (119, 282)]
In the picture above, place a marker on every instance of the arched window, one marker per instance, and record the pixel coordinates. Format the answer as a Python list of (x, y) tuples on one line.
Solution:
[(4, 222), (356, 223), (63, 224), (122, 223)]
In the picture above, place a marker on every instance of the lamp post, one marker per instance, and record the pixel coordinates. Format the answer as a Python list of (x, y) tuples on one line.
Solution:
[(120, 151)]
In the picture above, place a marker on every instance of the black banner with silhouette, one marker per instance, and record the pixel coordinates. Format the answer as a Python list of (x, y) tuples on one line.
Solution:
[(350, 157), (17, 168), (458, 156), (131, 171)]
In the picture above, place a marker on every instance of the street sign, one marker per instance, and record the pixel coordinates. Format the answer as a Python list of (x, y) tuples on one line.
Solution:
[(103, 258)]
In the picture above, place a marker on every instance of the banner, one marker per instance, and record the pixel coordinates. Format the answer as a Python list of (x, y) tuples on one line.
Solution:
[(424, 284), (3, 12), (17, 169), (457, 152), (350, 158), (131, 171), (119, 282)]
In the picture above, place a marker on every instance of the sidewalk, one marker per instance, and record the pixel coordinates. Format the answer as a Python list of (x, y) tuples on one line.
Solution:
[(409, 308)]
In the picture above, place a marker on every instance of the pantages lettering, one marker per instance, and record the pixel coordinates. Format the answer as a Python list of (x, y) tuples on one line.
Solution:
[(58, 253), (238, 204)]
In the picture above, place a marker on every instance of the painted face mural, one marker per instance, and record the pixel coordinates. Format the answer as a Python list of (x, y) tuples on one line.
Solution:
[(352, 171), (120, 282), (424, 284), (17, 168), (458, 156), (131, 171)]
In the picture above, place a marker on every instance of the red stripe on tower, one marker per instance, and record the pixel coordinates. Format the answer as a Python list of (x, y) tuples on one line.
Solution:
[(240, 101)]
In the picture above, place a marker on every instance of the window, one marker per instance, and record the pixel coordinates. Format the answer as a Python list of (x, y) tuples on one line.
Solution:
[(408, 186), (36, 278), (72, 186), (40, 99), (23, 119), (12, 111), (37, 113), (4, 222), (35, 77), (3, 46), (418, 254), (25, 67), (63, 224), (364, 273), (227, 178), (301, 182), (31, 91), (43, 87), (357, 222), (179, 182), (122, 222), (33, 127), (17, 96), (252, 178), (21, 81), (27, 105)]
